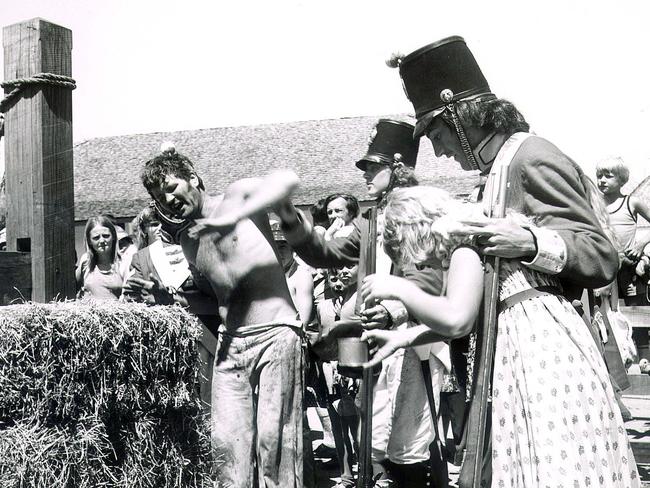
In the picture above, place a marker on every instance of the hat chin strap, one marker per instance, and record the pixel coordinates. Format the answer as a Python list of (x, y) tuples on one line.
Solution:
[(462, 137)]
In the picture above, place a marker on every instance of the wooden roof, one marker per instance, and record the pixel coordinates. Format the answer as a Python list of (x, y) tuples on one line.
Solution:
[(321, 152)]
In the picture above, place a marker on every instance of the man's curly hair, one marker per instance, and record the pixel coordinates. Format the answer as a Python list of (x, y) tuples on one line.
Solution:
[(491, 114), (156, 170)]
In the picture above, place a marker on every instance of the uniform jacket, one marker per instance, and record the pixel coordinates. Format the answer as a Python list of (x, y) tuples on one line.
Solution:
[(142, 267), (547, 186), (351, 250)]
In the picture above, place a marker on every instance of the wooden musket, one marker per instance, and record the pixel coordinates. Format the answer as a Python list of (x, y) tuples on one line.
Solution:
[(365, 479), (478, 421)]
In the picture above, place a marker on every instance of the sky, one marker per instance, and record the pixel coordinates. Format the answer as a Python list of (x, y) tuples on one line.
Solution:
[(578, 70)]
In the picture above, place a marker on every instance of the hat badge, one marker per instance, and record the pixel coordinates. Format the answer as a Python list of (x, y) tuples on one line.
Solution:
[(446, 95)]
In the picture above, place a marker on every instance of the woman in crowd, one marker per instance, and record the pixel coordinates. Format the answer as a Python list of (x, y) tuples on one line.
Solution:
[(98, 273), (554, 416)]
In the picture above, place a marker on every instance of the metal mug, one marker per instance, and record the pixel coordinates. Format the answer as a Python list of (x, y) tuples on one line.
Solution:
[(353, 353)]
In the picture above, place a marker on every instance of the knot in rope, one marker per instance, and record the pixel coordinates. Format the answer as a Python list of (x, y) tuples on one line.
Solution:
[(19, 84)]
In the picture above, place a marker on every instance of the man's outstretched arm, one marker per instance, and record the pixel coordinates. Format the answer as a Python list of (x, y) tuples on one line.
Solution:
[(248, 197)]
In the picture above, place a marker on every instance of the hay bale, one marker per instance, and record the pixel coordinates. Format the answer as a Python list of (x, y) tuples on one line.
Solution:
[(100, 394)]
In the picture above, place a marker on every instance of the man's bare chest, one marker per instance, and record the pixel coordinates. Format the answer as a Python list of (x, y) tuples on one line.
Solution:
[(225, 259)]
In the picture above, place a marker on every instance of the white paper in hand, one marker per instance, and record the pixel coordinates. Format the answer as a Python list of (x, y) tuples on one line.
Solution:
[(170, 263)]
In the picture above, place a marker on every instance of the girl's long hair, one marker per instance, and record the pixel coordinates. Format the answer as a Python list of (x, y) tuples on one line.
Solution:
[(401, 176), (423, 222)]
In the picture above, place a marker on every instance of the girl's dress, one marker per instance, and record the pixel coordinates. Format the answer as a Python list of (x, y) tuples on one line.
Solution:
[(555, 421), (103, 285)]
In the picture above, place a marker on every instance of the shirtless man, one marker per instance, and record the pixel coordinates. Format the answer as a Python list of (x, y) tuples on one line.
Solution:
[(259, 359)]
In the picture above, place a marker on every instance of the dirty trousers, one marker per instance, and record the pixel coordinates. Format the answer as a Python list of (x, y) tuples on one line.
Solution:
[(257, 409)]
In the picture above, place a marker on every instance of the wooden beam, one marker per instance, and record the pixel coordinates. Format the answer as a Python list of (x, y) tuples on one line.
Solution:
[(38, 157), (16, 273)]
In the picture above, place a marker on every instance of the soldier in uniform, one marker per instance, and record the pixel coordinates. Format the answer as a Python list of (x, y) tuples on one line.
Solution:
[(554, 416)]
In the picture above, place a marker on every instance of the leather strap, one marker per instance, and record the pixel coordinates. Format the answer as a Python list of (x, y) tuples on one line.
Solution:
[(539, 291), (426, 373), (440, 479)]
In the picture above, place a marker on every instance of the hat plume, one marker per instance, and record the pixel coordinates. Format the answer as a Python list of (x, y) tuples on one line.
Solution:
[(395, 60)]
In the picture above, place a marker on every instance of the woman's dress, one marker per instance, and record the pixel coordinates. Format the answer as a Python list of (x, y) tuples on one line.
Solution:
[(555, 421)]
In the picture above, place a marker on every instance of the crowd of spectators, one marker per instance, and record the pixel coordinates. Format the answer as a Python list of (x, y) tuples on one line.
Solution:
[(148, 266)]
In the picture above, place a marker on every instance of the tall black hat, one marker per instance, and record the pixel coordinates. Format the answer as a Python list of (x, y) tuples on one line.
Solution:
[(391, 141), (438, 75)]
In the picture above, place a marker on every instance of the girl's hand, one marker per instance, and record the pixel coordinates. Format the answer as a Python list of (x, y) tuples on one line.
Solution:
[(383, 343), (384, 287)]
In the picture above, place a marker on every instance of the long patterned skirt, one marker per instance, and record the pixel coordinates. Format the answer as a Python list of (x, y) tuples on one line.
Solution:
[(555, 421)]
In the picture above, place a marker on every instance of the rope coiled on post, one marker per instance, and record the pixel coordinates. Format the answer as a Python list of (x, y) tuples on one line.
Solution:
[(19, 84)]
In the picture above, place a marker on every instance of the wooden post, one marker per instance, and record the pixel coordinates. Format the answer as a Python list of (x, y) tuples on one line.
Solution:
[(38, 157)]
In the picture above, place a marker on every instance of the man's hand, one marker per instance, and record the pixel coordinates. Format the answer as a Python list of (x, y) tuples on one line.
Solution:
[(501, 237), (376, 317), (222, 225), (287, 212), (149, 291), (135, 286)]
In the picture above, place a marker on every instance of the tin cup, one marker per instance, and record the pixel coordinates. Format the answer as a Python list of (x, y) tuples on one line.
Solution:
[(353, 353)]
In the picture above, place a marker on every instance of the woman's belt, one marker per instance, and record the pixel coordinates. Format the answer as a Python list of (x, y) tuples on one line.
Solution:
[(521, 296)]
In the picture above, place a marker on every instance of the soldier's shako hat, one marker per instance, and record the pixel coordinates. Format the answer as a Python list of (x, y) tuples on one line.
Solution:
[(388, 139), (440, 74)]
